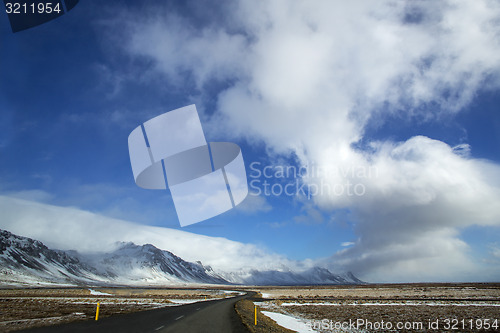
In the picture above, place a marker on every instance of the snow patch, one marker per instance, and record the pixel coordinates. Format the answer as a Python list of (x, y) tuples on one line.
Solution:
[(289, 322), (189, 301), (392, 304), (98, 293)]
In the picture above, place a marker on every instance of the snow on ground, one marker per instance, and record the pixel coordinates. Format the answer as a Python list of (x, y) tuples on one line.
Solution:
[(191, 300), (98, 293), (309, 304), (391, 304), (289, 322), (187, 301), (107, 300), (237, 293)]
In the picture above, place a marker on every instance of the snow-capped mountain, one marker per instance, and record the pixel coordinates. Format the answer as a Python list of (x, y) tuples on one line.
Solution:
[(29, 262), (131, 262), (286, 277)]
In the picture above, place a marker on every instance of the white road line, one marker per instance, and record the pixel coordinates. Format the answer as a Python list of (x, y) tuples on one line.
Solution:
[(179, 317), (159, 328), (198, 309)]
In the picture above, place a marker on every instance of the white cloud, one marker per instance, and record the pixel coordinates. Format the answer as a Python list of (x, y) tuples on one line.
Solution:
[(74, 229), (495, 252), (307, 77), (311, 215), (421, 193), (254, 204), (420, 257), (177, 46), (32, 195)]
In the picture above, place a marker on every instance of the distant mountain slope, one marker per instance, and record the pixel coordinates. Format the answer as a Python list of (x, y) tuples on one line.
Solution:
[(149, 264), (27, 261), (312, 276), (24, 261)]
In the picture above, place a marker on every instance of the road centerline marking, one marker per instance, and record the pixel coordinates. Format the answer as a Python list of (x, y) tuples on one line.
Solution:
[(159, 328), (179, 317)]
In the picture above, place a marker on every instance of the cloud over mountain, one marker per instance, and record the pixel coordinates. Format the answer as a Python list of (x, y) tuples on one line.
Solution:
[(310, 77), (28, 262), (68, 228)]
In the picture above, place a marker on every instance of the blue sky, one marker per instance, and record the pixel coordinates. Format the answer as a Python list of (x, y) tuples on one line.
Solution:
[(329, 84)]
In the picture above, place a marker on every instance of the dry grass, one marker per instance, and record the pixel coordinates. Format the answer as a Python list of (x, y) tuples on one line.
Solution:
[(403, 314), (406, 303), (387, 291)]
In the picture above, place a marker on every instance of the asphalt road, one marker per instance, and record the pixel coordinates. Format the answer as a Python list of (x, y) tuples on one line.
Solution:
[(207, 316)]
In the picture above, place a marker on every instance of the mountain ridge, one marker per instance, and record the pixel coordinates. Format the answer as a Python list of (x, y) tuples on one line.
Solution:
[(30, 262)]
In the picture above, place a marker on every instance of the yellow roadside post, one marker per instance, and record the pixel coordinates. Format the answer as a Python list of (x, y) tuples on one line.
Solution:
[(97, 312), (255, 307)]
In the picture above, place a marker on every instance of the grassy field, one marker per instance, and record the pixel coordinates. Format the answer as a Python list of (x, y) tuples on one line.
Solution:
[(390, 308)]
